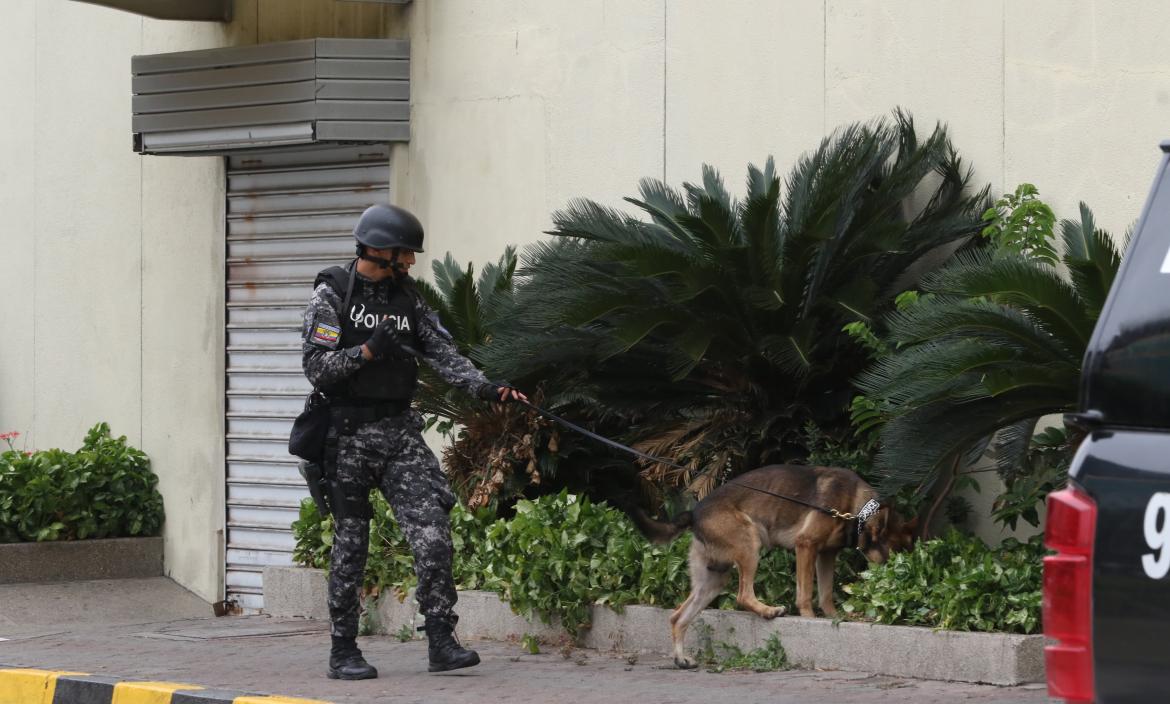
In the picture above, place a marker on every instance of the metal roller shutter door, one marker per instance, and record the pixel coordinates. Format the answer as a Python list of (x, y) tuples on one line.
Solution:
[(289, 215)]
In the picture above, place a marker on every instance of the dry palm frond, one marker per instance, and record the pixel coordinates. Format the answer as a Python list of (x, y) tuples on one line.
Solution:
[(496, 449)]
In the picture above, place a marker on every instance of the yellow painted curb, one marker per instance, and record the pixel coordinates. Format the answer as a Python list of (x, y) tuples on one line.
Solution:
[(20, 686), (148, 692), (28, 686)]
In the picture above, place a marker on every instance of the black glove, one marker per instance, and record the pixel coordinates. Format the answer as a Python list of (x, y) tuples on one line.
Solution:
[(491, 390), (381, 342)]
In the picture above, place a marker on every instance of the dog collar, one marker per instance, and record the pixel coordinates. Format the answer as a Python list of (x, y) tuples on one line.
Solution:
[(871, 507)]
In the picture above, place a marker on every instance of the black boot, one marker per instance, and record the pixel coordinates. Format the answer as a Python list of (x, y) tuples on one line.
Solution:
[(443, 649), (346, 661)]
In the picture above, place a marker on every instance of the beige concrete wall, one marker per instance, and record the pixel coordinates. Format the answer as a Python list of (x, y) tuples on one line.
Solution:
[(942, 61), (1087, 92), (520, 106), (18, 219), (744, 81), (114, 262), (86, 203), (182, 340), (183, 360)]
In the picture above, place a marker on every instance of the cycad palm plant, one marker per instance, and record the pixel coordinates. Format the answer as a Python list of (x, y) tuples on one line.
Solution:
[(463, 304), (997, 344), (710, 331), (488, 448)]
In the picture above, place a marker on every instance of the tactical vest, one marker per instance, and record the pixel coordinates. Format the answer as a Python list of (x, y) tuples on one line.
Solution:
[(395, 376)]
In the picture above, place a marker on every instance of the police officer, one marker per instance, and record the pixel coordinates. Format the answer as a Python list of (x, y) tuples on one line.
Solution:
[(365, 327)]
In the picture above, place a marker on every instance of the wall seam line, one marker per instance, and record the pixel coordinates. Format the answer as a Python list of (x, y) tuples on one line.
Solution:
[(141, 281), (665, 49), (32, 428)]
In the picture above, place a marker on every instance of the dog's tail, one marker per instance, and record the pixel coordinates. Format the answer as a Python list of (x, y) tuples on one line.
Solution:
[(659, 531)]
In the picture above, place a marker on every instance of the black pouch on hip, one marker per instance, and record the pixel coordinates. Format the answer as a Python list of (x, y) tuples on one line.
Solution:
[(309, 430)]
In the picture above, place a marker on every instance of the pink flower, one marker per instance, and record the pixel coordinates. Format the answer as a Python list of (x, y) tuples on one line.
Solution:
[(9, 436)]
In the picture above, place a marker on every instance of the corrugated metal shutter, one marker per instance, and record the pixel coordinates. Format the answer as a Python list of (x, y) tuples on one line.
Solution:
[(289, 215)]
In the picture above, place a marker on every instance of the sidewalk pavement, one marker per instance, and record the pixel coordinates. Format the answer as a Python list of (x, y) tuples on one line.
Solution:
[(152, 629)]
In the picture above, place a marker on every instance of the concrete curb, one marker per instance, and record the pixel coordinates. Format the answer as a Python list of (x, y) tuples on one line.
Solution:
[(25, 686), (77, 560), (901, 651)]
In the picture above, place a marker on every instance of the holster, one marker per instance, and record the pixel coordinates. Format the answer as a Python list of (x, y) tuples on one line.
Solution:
[(340, 504), (314, 476), (317, 476)]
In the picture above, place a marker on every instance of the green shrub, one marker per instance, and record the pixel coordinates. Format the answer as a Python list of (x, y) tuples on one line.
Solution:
[(994, 343), (314, 536), (104, 490), (561, 553), (472, 566), (390, 565), (955, 582), (555, 557)]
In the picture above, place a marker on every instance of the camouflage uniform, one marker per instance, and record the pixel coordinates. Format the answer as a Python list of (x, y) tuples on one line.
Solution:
[(389, 454)]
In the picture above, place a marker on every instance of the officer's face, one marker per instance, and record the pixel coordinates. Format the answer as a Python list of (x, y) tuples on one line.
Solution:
[(405, 260)]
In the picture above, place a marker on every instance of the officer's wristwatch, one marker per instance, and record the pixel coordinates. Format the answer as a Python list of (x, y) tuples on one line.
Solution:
[(354, 352)]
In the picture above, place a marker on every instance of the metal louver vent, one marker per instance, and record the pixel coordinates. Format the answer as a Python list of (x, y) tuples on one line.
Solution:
[(233, 99)]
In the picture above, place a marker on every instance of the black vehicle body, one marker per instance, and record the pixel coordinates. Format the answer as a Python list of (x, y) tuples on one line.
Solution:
[(1115, 575)]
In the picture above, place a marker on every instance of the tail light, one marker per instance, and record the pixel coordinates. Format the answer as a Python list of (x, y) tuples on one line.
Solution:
[(1068, 594)]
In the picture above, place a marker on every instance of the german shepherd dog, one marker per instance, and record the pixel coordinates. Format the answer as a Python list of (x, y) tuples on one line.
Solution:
[(733, 524)]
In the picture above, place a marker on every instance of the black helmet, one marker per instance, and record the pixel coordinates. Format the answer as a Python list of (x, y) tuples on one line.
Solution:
[(387, 226)]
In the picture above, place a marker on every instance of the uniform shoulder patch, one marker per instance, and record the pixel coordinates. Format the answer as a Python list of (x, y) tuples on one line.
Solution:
[(325, 335)]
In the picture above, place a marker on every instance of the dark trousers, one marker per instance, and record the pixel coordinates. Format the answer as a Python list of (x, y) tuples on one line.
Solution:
[(390, 454)]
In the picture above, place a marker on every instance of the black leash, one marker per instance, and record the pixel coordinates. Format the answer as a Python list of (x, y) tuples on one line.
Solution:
[(599, 438), (843, 515)]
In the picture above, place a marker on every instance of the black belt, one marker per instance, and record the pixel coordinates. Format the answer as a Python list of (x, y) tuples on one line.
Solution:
[(347, 415), (397, 405)]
